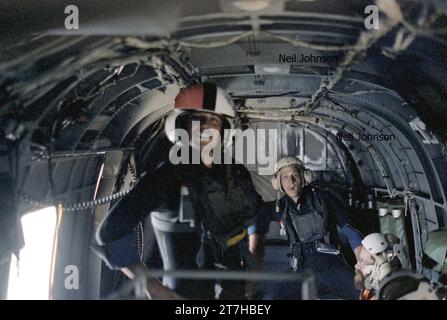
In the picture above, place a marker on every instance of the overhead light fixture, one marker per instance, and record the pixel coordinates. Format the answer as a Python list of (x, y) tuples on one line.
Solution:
[(252, 5), (272, 69)]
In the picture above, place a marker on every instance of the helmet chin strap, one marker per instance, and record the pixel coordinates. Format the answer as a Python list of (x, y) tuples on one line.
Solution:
[(278, 197)]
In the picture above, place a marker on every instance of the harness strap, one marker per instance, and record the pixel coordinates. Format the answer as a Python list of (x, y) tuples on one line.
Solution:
[(234, 240)]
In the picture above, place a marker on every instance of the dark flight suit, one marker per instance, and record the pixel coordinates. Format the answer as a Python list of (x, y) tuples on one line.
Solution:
[(225, 204), (310, 224)]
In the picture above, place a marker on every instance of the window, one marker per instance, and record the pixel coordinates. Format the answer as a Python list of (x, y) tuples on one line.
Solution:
[(30, 278)]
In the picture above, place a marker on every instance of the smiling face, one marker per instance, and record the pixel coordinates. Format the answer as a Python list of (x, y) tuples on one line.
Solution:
[(207, 121), (291, 181)]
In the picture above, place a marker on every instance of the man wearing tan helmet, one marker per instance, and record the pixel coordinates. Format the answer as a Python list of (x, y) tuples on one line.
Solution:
[(309, 219)]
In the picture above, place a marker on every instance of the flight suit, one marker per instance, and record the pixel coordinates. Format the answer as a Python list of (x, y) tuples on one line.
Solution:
[(225, 205), (311, 228)]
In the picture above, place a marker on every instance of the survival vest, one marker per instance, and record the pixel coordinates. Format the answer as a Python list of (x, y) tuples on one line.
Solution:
[(308, 220), (225, 204)]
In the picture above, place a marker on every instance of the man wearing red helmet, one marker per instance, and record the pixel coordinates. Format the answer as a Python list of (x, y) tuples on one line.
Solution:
[(219, 199)]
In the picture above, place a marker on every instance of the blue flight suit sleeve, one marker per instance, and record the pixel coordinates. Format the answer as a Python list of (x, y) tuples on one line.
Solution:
[(337, 207), (353, 235), (262, 225), (122, 252)]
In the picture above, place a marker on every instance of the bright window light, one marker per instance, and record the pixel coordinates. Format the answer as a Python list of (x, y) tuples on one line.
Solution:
[(31, 280)]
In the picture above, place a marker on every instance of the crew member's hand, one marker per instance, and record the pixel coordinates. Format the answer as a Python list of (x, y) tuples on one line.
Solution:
[(256, 246), (157, 291), (154, 288)]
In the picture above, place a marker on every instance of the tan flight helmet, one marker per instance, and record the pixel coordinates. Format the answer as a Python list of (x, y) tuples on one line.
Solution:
[(276, 178), (284, 162)]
